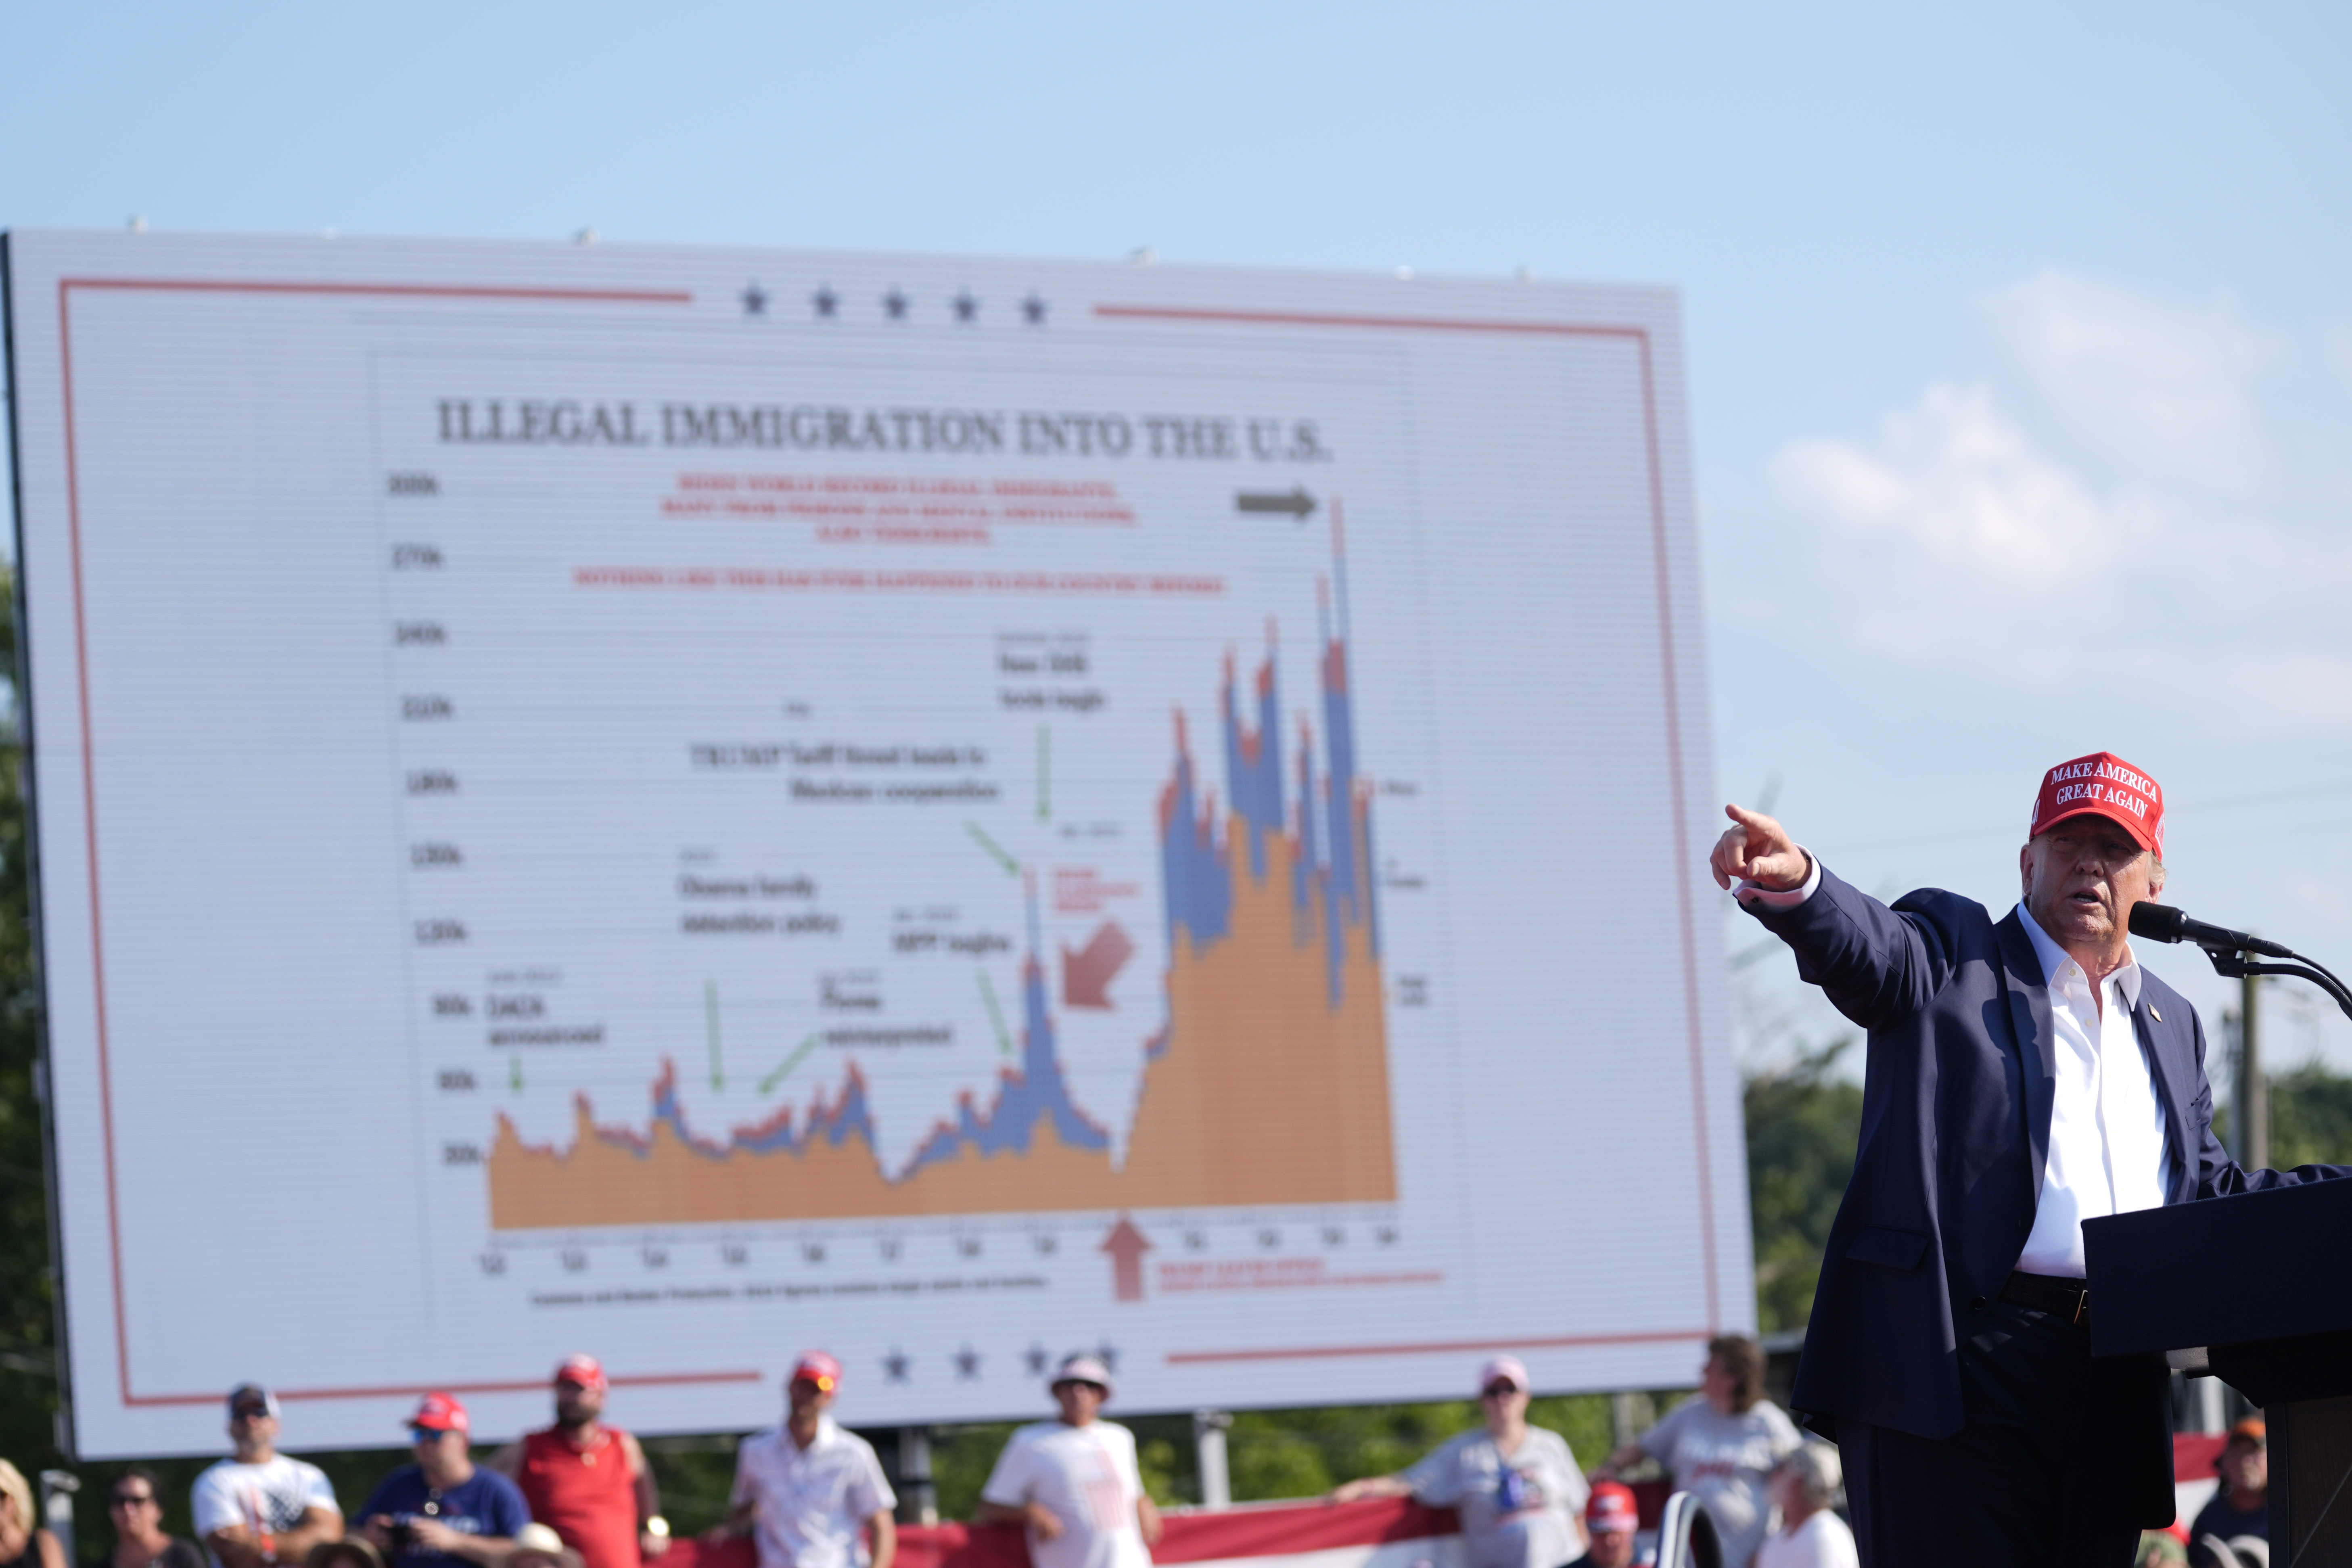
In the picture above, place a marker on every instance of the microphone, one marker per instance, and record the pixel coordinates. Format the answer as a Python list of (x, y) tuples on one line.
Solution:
[(2162, 923)]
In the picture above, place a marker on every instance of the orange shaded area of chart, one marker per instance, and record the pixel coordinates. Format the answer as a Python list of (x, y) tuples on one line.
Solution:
[(1266, 1091)]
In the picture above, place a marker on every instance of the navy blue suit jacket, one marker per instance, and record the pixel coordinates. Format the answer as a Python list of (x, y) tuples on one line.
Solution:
[(1957, 1099)]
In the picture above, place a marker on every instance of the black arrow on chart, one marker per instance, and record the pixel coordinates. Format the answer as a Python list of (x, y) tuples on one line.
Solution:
[(1296, 502)]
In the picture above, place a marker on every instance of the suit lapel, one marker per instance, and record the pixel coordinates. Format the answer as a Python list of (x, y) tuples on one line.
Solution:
[(2157, 1042), (2029, 1014)]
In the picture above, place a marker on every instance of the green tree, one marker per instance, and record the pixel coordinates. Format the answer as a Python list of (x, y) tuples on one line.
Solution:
[(28, 1342), (2311, 1118), (1304, 1452), (1802, 1124)]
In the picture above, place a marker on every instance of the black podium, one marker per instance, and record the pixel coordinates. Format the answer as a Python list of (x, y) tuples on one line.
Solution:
[(2255, 1290)]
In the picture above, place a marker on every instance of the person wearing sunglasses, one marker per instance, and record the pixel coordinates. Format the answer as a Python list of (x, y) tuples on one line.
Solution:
[(23, 1542), (135, 1508), (443, 1511), (1516, 1488), (586, 1480), (809, 1492), (1073, 1484), (259, 1508)]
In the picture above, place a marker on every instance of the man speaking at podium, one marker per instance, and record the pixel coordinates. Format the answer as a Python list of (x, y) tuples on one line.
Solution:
[(2025, 1074)]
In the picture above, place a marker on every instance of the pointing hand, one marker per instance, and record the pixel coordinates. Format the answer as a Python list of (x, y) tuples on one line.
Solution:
[(1758, 850)]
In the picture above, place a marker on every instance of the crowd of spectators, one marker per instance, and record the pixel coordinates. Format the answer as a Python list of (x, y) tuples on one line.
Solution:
[(808, 1493)]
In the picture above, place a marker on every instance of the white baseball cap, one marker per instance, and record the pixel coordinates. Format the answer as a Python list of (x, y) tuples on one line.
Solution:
[(1083, 1367), (1503, 1369)]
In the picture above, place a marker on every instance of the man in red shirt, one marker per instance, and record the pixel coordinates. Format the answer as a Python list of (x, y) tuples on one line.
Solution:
[(588, 1481)]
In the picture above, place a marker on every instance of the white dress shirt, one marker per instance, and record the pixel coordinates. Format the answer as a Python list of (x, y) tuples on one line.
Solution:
[(811, 1504), (2106, 1130)]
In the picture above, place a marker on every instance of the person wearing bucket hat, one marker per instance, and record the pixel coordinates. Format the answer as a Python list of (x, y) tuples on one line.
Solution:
[(443, 1510), (1516, 1488), (1073, 1484), (2023, 1074), (260, 1507), (586, 1480), (537, 1545), (350, 1552), (808, 1490)]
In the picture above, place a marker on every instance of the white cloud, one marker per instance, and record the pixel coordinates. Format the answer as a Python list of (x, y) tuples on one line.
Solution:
[(2339, 348), (2127, 482), (2151, 386), (1955, 477)]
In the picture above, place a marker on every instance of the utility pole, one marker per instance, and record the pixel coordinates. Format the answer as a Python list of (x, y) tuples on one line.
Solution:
[(920, 1500), (1209, 1448), (2252, 1113)]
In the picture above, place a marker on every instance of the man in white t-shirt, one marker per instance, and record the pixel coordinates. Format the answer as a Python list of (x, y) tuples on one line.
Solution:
[(1073, 1483), (261, 1507), (1517, 1487), (810, 1490)]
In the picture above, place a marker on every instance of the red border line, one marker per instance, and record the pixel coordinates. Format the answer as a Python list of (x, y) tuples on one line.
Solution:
[(397, 290), (1409, 324), (1681, 807), (66, 286), (1441, 1347)]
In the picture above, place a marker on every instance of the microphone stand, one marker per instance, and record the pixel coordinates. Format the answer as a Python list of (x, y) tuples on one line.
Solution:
[(2237, 965)]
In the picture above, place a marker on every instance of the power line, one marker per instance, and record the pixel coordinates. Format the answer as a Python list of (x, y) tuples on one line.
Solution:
[(2193, 805)]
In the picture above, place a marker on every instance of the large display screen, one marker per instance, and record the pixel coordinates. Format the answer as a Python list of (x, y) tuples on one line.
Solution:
[(690, 804)]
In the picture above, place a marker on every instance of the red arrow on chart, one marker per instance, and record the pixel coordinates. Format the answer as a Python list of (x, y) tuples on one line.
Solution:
[(1126, 1246), (1086, 973)]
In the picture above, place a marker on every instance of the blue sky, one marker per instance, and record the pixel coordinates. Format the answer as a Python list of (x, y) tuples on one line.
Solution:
[(2021, 338)]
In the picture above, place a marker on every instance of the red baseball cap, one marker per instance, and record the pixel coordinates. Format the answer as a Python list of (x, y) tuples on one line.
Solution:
[(816, 1366), (440, 1413), (2104, 784), (1612, 1507), (583, 1369)]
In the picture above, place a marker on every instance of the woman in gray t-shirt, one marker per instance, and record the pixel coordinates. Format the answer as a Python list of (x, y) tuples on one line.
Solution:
[(1517, 1487), (1721, 1445)]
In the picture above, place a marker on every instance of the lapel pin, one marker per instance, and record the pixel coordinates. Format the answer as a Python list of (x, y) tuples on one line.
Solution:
[(2154, 1014)]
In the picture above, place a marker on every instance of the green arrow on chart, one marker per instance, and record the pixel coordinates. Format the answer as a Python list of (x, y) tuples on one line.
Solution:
[(514, 1074), (784, 1069), (1045, 772), (711, 1010), (1012, 866), (995, 1016)]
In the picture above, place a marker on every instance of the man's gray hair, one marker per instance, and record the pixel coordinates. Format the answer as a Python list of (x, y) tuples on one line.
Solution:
[(1817, 1472)]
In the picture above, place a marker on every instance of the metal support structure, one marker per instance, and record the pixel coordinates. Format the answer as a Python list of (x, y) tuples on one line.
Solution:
[(1687, 1536), (1209, 1450), (2252, 1112), (919, 1500), (1630, 1414), (58, 1488)]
